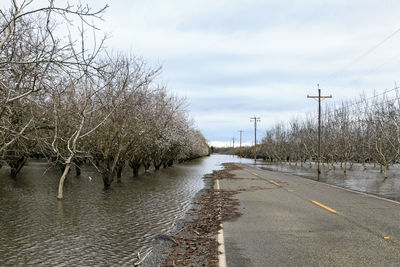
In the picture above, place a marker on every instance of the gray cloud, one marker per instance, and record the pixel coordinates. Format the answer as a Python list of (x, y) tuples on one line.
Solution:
[(234, 58)]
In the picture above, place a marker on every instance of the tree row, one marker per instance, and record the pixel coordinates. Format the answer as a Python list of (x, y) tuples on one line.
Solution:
[(69, 99), (366, 130)]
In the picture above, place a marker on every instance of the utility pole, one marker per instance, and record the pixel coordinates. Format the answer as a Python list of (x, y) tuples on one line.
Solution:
[(240, 149), (319, 127), (255, 119), (233, 142)]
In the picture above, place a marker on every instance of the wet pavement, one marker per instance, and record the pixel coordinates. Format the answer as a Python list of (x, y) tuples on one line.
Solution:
[(291, 221)]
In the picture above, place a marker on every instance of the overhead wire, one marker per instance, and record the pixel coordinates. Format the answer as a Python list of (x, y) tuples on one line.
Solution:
[(334, 75)]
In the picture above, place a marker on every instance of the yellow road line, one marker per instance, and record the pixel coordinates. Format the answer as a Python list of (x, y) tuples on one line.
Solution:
[(273, 182), (256, 174), (323, 206)]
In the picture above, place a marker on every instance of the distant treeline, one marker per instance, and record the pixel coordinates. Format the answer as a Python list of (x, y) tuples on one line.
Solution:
[(72, 102), (366, 130)]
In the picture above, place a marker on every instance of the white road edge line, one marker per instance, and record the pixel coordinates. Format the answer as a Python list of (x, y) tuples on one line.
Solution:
[(220, 238)]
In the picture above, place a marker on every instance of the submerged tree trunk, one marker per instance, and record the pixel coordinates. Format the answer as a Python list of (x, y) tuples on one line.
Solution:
[(157, 164), (62, 179), (16, 166), (135, 167), (107, 179), (119, 173), (120, 168), (146, 166), (385, 167), (78, 163), (108, 171), (364, 166)]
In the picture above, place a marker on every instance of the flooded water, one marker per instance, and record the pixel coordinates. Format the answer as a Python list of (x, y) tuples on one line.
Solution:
[(368, 181), (92, 227)]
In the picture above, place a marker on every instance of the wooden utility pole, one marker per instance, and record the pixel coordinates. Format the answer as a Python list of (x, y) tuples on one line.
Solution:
[(255, 119), (319, 127), (240, 149)]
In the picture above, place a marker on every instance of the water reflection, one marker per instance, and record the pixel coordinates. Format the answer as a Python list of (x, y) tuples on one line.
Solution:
[(369, 180), (90, 226)]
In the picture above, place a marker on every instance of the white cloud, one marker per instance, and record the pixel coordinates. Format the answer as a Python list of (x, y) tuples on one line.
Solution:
[(270, 53)]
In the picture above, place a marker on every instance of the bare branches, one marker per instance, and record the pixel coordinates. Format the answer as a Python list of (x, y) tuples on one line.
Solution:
[(367, 131)]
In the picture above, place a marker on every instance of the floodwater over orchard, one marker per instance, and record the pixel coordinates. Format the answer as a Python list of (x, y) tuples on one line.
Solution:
[(92, 227), (369, 180)]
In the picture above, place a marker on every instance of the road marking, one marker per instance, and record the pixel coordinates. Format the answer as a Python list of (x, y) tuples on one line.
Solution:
[(273, 182), (323, 206), (256, 174), (220, 239)]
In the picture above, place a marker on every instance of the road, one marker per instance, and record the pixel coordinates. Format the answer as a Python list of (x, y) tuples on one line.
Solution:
[(292, 221)]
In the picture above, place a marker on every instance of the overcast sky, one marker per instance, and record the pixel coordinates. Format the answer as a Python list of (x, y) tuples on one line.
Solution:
[(235, 59)]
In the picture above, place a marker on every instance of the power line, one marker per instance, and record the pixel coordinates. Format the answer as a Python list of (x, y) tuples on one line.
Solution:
[(334, 75), (363, 100)]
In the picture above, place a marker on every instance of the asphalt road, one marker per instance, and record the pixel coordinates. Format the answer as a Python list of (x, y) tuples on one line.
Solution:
[(292, 221)]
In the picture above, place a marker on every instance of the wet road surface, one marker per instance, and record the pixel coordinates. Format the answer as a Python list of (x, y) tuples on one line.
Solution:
[(291, 221)]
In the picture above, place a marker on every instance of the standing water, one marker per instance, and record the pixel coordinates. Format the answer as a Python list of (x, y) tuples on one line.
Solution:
[(90, 226)]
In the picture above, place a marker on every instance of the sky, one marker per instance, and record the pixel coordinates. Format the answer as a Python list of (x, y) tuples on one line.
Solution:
[(234, 59)]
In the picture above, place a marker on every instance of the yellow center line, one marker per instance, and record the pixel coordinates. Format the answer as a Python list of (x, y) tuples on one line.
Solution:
[(273, 182), (256, 174), (323, 206)]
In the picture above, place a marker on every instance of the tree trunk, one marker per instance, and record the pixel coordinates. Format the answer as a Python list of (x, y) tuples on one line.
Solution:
[(170, 163), (62, 179), (157, 164), (119, 173), (107, 179), (364, 166), (120, 167), (78, 163), (135, 171), (385, 167), (77, 170), (16, 166), (135, 168), (146, 166)]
